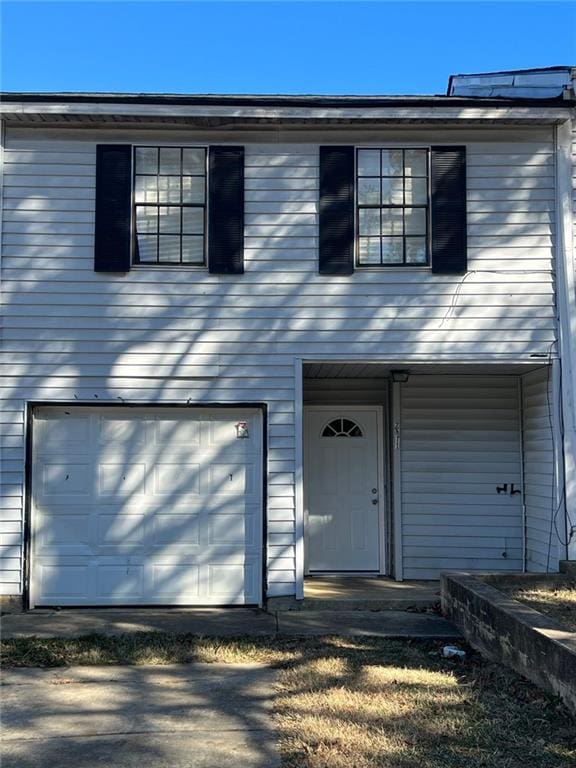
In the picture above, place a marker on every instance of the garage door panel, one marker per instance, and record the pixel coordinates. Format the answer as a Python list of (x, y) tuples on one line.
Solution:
[(125, 431), (171, 432), (232, 529), (237, 431), (120, 582), (122, 479), (177, 478), (178, 530), (117, 529), (62, 431), (136, 507), (66, 478), (230, 478), (62, 582), (73, 530), (172, 580), (230, 580)]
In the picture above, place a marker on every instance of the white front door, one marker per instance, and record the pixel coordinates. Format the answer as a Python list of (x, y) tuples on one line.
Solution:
[(343, 489)]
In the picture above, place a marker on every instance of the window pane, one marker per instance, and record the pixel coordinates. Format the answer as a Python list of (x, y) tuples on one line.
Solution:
[(369, 191), (369, 219), (193, 221), (169, 248), (392, 250), (416, 191), (192, 189), (392, 191), (391, 162), (169, 189), (416, 250), (170, 160), (415, 221), (415, 162), (369, 250), (146, 248), (146, 190), (369, 162), (392, 223), (170, 220), (146, 219), (146, 160), (193, 162), (193, 250)]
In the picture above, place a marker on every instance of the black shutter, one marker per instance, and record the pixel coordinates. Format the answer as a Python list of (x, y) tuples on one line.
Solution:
[(226, 211), (448, 210), (336, 230), (113, 207)]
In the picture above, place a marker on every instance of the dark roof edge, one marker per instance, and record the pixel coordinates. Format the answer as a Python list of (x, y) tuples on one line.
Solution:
[(309, 101)]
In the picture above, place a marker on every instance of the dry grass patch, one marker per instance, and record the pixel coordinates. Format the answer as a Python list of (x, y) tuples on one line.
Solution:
[(558, 601), (361, 702), (411, 709)]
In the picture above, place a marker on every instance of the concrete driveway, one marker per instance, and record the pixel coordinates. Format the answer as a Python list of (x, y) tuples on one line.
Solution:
[(189, 716)]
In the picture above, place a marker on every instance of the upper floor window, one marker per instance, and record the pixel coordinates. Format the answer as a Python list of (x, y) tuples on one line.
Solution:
[(170, 205), (392, 207)]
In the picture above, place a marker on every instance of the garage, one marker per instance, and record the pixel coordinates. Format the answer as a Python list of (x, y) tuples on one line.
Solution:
[(146, 506)]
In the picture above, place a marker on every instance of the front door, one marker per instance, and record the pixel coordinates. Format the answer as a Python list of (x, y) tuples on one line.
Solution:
[(343, 489)]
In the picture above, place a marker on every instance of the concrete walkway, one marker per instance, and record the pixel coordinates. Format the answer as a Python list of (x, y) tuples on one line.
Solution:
[(192, 716), (225, 622)]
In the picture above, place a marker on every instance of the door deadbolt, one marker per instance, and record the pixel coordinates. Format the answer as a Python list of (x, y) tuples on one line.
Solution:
[(374, 490)]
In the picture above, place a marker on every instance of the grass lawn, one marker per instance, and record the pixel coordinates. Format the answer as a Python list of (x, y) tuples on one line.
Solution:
[(557, 600), (362, 702)]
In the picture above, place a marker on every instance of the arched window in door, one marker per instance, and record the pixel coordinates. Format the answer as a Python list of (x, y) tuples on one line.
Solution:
[(342, 428)]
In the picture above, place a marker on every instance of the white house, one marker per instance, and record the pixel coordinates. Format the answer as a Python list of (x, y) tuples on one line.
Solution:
[(250, 339)]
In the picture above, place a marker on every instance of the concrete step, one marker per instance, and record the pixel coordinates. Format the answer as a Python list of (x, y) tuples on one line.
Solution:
[(409, 604), (362, 623), (568, 567)]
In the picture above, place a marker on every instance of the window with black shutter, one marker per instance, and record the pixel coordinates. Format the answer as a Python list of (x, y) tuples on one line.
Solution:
[(392, 207), (166, 205)]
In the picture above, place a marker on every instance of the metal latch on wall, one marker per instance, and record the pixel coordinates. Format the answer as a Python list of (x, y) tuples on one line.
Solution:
[(504, 489)]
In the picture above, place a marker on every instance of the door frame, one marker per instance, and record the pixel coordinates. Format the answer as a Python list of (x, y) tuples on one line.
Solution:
[(381, 465)]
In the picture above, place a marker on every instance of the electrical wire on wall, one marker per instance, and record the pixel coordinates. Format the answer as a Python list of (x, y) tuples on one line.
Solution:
[(564, 540)]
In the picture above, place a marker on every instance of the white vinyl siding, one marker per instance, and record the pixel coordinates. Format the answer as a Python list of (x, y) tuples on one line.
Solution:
[(460, 439), (185, 336), (542, 550)]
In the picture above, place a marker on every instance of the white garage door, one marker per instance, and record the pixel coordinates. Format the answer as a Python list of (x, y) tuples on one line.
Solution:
[(141, 506)]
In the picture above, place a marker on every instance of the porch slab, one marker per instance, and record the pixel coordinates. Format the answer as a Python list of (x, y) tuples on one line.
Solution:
[(355, 593)]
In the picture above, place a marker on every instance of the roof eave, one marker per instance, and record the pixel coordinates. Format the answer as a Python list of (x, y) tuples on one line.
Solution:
[(313, 111)]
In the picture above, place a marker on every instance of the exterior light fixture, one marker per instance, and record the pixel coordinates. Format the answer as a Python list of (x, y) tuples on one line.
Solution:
[(399, 377)]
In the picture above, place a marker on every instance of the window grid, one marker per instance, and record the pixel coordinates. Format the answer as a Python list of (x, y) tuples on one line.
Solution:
[(382, 207), (168, 203)]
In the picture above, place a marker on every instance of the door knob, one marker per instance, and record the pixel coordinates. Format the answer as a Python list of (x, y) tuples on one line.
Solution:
[(374, 501)]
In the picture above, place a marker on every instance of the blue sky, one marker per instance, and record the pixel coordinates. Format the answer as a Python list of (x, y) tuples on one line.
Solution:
[(274, 47)]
